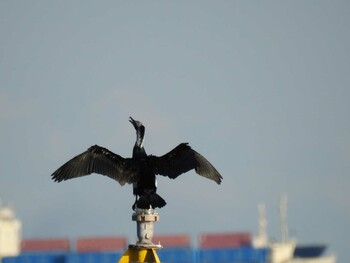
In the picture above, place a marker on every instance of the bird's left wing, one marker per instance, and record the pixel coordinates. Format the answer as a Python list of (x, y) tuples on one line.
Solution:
[(181, 160), (101, 161)]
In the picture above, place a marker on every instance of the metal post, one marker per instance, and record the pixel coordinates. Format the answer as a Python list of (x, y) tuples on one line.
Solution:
[(283, 218), (144, 250)]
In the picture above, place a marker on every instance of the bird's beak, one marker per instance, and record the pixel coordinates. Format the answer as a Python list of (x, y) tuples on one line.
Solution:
[(133, 122)]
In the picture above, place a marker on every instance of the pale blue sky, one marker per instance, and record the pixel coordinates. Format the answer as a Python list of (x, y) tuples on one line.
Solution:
[(259, 88)]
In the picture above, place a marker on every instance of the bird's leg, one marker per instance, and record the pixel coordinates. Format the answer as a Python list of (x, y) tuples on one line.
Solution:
[(134, 205)]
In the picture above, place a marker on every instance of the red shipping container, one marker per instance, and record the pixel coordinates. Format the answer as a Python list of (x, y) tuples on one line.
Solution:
[(172, 241), (95, 244), (29, 245), (226, 240)]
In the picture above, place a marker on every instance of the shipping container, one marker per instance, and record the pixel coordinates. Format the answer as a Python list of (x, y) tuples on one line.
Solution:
[(36, 257), (176, 255), (173, 241), (95, 244), (97, 257), (169, 255), (225, 240), (233, 255), (31, 245), (309, 251)]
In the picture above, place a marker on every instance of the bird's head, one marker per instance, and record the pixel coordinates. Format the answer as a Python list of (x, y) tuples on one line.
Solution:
[(140, 131), (137, 124)]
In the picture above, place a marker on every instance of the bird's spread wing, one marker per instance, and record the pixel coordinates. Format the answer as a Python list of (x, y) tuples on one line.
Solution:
[(101, 161), (181, 160)]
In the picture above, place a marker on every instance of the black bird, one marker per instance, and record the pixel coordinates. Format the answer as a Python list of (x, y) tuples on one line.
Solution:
[(140, 170)]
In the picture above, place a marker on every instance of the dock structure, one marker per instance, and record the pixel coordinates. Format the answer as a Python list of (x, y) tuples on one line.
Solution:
[(144, 250)]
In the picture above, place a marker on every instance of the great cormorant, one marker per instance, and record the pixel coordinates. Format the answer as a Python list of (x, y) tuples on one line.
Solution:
[(140, 170)]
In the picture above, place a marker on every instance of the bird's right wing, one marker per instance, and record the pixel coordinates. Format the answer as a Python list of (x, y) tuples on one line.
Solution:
[(101, 161), (182, 159)]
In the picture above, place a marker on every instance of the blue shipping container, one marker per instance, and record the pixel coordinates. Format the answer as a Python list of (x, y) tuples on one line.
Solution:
[(167, 255), (233, 255), (95, 257), (36, 257), (175, 255)]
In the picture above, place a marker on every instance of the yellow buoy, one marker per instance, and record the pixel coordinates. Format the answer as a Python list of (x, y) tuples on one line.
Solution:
[(136, 254)]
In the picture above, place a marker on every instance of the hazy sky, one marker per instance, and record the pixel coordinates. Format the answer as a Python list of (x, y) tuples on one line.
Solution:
[(259, 88)]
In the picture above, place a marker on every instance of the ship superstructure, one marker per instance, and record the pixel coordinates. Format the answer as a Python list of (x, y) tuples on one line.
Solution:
[(287, 250), (10, 232)]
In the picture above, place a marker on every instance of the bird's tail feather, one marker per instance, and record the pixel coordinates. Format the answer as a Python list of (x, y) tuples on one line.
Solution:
[(150, 200)]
